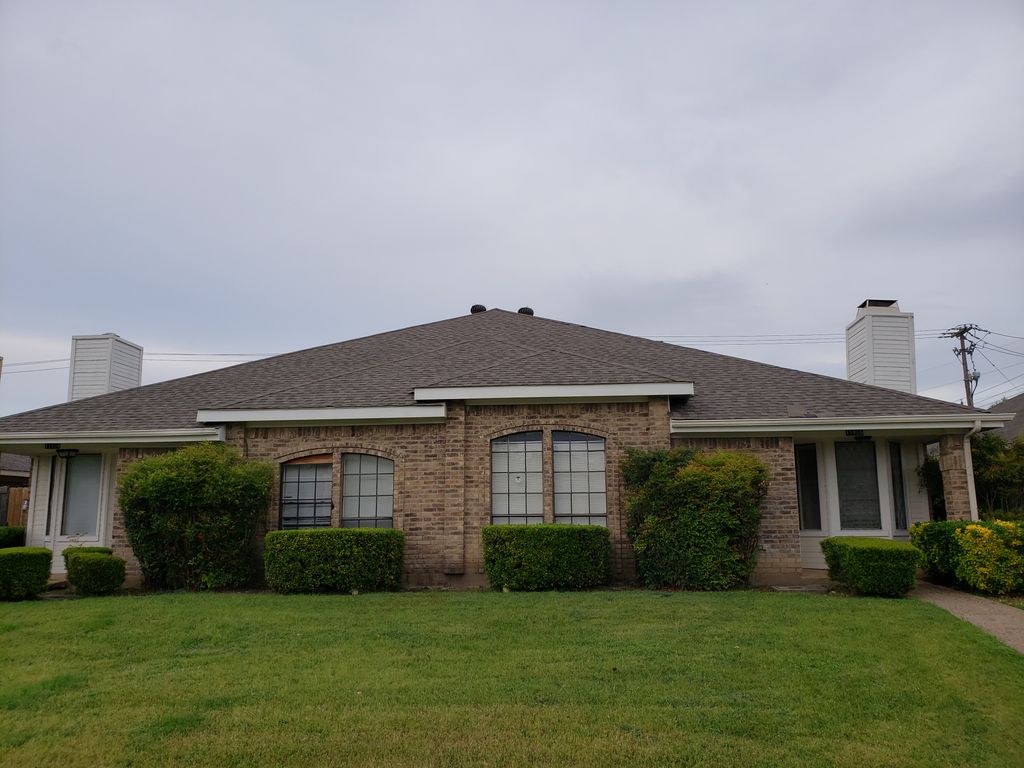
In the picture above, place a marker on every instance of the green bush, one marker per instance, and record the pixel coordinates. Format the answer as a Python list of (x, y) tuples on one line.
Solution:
[(95, 573), (24, 571), (81, 551), (12, 536), (192, 515), (694, 519), (939, 548), (535, 557), (334, 560), (871, 566), (991, 557)]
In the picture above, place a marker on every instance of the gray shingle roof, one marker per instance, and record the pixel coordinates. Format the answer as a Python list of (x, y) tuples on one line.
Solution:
[(485, 349)]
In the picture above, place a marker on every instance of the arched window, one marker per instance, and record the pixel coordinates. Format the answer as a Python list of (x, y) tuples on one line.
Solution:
[(367, 491), (306, 493), (578, 463), (517, 481)]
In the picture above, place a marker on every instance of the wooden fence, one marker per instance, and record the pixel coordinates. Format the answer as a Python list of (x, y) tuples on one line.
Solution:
[(17, 506)]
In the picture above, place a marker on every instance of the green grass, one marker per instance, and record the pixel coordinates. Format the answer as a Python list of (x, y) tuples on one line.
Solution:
[(472, 679)]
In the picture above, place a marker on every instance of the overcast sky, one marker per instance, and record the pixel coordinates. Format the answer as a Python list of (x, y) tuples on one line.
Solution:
[(247, 177)]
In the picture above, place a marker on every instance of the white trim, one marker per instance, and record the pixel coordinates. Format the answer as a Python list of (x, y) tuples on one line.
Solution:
[(557, 392), (811, 424), (406, 414), (132, 437), (972, 493)]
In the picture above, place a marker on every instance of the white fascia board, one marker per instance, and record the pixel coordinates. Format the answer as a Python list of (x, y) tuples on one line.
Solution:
[(808, 424), (118, 437), (557, 392), (406, 414)]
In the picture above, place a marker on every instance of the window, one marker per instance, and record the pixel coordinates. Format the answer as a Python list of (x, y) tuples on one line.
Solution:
[(81, 495), (517, 481), (579, 479), (306, 495), (899, 496), (367, 491), (807, 495), (858, 486)]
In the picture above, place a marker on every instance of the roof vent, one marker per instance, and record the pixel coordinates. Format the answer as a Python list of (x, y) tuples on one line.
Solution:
[(525, 311), (476, 309)]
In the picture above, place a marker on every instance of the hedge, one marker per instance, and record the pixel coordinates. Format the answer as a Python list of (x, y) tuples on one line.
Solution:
[(537, 557), (871, 566), (24, 571), (81, 551), (987, 555), (991, 557), (95, 573), (939, 548), (334, 560), (12, 536), (694, 519)]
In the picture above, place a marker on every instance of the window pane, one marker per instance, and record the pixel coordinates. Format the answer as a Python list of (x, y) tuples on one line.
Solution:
[(899, 496), (808, 499), (581, 473), (858, 486), (516, 478), (82, 495), (367, 491)]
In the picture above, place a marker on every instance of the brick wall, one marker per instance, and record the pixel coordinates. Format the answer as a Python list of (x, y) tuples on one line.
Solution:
[(779, 554), (443, 477)]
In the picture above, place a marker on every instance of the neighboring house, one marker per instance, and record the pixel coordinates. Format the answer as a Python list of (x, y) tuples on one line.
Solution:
[(14, 479), (503, 417), (1015, 427)]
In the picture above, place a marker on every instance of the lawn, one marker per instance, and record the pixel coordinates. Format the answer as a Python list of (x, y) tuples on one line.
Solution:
[(469, 679)]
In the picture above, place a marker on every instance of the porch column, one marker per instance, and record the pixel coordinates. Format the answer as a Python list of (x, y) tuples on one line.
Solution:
[(455, 490), (957, 477)]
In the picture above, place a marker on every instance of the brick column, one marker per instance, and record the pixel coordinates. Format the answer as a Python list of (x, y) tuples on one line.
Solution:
[(455, 490), (956, 482)]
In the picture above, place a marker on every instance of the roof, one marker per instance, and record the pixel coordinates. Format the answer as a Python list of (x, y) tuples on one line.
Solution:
[(13, 462), (489, 348)]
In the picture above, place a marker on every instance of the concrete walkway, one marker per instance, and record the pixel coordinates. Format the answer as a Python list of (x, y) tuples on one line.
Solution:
[(1003, 621)]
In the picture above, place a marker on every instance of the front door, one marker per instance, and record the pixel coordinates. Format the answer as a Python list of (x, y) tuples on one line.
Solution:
[(77, 505)]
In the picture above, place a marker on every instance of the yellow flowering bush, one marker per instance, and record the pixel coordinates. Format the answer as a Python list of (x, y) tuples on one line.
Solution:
[(991, 556)]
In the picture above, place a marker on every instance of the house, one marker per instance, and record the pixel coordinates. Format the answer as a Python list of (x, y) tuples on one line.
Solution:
[(1015, 427), (504, 417)]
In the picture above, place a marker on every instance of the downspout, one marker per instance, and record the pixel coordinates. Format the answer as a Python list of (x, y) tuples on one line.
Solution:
[(972, 495)]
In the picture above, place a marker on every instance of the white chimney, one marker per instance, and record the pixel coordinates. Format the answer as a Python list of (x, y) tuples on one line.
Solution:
[(880, 346), (102, 364)]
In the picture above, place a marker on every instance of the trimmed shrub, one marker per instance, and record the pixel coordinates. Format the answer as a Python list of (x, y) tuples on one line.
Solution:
[(24, 571), (192, 515), (12, 536), (81, 551), (536, 557), (871, 566), (694, 519), (939, 548), (95, 573), (334, 560), (991, 557)]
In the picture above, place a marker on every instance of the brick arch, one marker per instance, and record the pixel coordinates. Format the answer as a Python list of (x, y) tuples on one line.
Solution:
[(339, 448), (550, 426)]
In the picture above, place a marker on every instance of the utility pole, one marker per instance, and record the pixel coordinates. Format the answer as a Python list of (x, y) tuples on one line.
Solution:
[(966, 350)]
